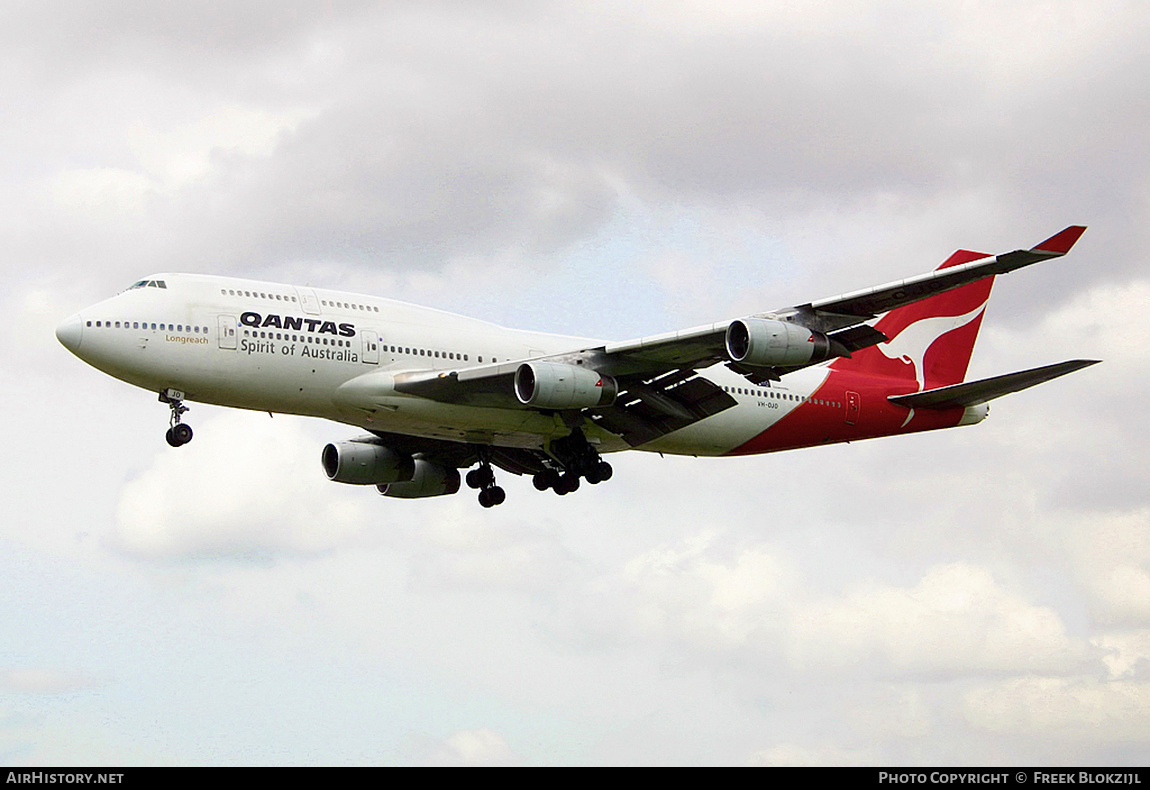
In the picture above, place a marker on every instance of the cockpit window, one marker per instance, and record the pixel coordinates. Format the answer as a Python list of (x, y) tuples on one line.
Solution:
[(148, 284)]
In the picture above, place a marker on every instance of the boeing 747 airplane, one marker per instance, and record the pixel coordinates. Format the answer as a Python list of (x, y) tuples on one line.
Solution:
[(438, 392)]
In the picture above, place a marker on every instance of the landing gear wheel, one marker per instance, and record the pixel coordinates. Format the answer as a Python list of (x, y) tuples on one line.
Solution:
[(578, 458), (482, 477), (179, 434), (567, 484), (492, 496), (601, 473)]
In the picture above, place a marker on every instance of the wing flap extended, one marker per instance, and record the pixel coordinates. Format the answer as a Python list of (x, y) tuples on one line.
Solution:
[(973, 393), (648, 409)]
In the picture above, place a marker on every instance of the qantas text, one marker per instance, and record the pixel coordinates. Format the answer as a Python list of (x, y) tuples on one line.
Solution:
[(298, 324)]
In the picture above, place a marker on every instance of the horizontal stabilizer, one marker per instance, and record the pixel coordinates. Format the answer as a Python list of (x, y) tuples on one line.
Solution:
[(973, 393)]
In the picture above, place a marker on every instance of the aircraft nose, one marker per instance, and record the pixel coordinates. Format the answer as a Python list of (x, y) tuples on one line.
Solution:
[(70, 333)]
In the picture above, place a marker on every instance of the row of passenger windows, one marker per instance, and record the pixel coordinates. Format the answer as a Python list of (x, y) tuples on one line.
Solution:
[(195, 330), (289, 298), (257, 295), (780, 396), (423, 352), (316, 339), (350, 306)]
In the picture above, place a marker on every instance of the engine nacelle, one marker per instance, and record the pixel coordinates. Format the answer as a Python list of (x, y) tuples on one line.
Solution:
[(761, 342), (363, 463), (553, 385), (972, 415), (429, 479)]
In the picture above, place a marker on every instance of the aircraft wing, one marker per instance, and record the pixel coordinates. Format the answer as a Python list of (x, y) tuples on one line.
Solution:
[(869, 303), (655, 378), (841, 317), (460, 455), (645, 406)]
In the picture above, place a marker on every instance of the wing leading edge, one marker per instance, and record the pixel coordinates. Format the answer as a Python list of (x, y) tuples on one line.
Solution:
[(840, 317)]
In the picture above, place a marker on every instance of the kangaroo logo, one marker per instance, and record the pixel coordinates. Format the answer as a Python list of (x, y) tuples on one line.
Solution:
[(911, 344), (914, 341)]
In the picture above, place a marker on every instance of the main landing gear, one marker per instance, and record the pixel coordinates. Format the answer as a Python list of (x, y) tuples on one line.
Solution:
[(574, 459), (483, 478), (179, 433), (578, 459)]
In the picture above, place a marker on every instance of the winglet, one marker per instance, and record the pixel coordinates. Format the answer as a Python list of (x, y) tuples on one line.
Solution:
[(1060, 243)]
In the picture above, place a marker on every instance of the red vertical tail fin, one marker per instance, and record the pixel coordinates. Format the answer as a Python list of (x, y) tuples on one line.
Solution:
[(930, 341)]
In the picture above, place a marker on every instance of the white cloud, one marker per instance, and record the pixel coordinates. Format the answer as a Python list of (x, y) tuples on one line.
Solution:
[(264, 496), (702, 594), (100, 194), (792, 754), (474, 747), (43, 681), (1128, 653), (178, 156), (1109, 553), (956, 620), (1073, 709)]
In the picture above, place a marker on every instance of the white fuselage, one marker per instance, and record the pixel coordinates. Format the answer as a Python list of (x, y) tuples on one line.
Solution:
[(289, 349)]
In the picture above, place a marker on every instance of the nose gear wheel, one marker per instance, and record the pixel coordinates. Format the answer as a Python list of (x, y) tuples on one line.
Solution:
[(179, 433)]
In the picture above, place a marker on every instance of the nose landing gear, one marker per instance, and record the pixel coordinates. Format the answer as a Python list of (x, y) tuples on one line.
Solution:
[(179, 433)]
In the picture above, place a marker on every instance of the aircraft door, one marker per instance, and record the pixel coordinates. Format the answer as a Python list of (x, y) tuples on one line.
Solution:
[(370, 350), (308, 300), (853, 405), (226, 325)]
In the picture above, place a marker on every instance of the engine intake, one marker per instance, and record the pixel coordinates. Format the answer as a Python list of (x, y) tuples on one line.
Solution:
[(761, 342), (363, 463), (429, 479), (553, 385)]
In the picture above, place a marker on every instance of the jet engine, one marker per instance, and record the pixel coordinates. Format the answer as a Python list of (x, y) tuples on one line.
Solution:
[(761, 342), (973, 415), (429, 479), (365, 463), (553, 385)]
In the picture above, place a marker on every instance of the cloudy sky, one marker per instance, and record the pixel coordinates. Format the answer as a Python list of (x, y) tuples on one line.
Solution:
[(975, 596)]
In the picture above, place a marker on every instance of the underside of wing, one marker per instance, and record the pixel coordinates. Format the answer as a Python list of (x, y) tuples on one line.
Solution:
[(646, 409), (460, 455)]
